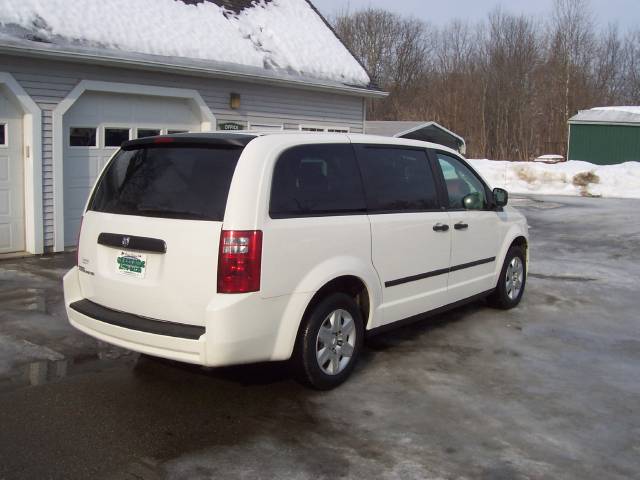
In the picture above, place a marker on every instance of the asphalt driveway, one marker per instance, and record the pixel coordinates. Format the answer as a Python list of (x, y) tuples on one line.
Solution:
[(548, 390)]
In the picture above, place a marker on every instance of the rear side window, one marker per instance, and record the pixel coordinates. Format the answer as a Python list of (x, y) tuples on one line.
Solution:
[(170, 182), (313, 180), (397, 180)]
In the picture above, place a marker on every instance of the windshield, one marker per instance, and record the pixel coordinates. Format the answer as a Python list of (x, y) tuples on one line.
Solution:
[(171, 182)]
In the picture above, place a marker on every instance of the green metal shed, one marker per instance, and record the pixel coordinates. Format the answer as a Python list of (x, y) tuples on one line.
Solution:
[(605, 135)]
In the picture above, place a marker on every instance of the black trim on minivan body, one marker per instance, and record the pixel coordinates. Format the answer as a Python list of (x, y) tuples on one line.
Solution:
[(423, 316), (132, 242), (136, 322), (434, 273)]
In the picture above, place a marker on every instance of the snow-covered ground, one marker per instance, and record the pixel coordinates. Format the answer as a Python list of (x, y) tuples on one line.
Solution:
[(282, 35), (567, 178)]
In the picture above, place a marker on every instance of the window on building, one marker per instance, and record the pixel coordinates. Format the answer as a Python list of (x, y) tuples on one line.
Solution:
[(170, 132), (464, 188), (397, 180), (114, 137), (83, 137), (148, 132), (316, 180), (3, 134), (266, 127), (306, 128), (319, 128)]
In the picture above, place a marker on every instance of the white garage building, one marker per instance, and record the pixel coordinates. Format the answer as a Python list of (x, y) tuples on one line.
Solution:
[(79, 77)]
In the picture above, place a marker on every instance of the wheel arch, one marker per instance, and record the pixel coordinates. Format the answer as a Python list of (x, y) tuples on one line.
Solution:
[(515, 236), (351, 285)]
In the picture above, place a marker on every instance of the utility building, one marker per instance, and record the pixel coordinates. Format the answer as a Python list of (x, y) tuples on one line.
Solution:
[(424, 131), (605, 135)]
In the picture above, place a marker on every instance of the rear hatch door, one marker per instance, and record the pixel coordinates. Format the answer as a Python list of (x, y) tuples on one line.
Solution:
[(150, 236)]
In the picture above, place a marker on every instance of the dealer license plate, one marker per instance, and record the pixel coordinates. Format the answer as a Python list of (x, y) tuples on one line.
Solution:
[(131, 264)]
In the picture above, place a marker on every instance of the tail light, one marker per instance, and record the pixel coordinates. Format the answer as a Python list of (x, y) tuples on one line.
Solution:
[(78, 242), (239, 261)]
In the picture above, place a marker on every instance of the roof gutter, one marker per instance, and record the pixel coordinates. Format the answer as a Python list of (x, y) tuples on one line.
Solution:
[(162, 66)]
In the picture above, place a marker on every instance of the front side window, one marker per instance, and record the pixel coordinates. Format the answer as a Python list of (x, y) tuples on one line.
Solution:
[(397, 180), (83, 137), (464, 188), (313, 180), (190, 183), (3, 134)]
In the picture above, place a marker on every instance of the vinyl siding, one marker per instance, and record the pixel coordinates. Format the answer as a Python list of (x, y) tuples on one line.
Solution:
[(604, 144), (48, 82)]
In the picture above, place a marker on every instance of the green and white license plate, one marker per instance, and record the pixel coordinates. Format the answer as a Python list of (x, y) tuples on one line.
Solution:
[(131, 264)]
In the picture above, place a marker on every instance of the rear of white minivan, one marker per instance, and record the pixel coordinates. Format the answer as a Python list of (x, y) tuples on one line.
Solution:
[(149, 246)]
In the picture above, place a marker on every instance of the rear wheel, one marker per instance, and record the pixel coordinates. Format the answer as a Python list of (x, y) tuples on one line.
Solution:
[(511, 283), (330, 342)]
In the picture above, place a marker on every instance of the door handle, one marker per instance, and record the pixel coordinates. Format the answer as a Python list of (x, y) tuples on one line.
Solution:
[(461, 226), (440, 227)]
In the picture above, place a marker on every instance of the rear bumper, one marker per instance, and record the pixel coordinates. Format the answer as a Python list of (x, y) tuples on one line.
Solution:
[(238, 329)]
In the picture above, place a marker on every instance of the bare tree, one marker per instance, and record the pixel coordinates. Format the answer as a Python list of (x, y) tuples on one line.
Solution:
[(508, 84)]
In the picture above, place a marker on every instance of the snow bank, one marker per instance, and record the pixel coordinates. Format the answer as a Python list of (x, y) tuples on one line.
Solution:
[(567, 178), (282, 34)]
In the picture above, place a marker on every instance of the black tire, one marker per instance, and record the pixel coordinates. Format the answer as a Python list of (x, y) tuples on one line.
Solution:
[(500, 297), (306, 362)]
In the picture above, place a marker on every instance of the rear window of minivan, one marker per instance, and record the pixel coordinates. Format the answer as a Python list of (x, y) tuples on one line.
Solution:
[(185, 182), (316, 180)]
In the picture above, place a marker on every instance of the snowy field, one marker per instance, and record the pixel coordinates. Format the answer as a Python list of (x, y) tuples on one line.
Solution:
[(567, 178)]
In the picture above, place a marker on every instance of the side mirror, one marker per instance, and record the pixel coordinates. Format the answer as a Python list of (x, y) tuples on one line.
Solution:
[(473, 201), (500, 197)]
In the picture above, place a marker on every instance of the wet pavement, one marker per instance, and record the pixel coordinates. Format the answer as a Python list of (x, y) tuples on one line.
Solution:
[(548, 390)]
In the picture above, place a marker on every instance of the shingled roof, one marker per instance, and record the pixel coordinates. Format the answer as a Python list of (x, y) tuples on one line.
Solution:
[(287, 38)]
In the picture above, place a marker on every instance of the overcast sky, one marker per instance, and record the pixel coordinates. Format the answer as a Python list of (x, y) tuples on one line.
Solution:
[(625, 12)]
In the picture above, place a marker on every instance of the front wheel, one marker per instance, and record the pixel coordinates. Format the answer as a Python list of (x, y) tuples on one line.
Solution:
[(511, 283), (329, 343)]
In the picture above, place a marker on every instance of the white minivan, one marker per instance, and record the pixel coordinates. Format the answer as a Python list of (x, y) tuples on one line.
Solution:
[(229, 248)]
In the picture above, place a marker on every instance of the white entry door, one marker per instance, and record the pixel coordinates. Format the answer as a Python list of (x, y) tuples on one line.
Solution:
[(11, 176), (95, 126)]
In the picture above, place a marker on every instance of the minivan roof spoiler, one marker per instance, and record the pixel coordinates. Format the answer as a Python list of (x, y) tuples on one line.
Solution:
[(224, 140)]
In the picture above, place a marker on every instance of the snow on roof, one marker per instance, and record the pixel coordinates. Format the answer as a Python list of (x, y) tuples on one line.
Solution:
[(634, 110), (283, 35), (608, 115), (550, 157)]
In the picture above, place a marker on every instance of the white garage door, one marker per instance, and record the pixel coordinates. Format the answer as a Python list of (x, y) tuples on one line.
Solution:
[(11, 176), (95, 126)]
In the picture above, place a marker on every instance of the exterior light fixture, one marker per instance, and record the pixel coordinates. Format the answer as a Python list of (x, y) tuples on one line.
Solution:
[(234, 101)]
